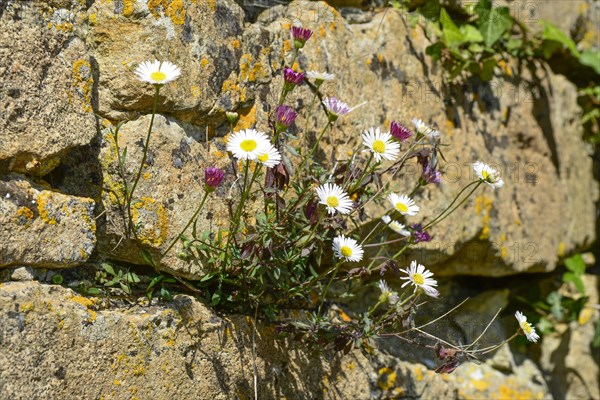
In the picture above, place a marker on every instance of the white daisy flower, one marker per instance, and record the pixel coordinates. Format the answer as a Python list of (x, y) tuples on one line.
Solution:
[(156, 72), (422, 128), (334, 198), (387, 294), (488, 174), (248, 144), (320, 77), (347, 248), (403, 204), (381, 144), (526, 327), (395, 226), (420, 278), (270, 158), (336, 108)]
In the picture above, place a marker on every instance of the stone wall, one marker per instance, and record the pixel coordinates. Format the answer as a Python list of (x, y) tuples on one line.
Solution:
[(66, 77)]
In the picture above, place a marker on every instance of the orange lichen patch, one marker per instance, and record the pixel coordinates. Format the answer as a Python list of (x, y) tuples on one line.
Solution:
[(386, 379), (235, 44), (83, 82), (87, 303), (24, 216), (561, 249), (204, 62), (286, 25), (155, 6), (219, 154), (150, 220), (322, 31), (212, 4), (246, 120), (146, 175), (288, 46), (380, 57), (483, 207)]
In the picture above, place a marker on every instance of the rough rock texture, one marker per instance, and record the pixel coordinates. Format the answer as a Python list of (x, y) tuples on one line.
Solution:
[(167, 195), (183, 350), (47, 90), (569, 363), (523, 123), (44, 228)]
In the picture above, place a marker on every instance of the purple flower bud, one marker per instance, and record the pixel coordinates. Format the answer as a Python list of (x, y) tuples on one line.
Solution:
[(419, 234), (292, 77), (284, 117), (300, 35), (213, 177), (431, 175), (400, 132)]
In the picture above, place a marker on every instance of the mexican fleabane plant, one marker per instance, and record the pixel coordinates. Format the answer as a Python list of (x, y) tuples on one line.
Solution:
[(296, 236)]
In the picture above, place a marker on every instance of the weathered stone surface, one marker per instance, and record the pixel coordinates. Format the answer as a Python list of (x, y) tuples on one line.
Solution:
[(523, 122), (567, 359), (47, 83), (183, 350), (202, 37), (167, 195), (42, 228)]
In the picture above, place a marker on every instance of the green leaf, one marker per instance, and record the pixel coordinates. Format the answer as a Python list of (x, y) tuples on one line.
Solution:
[(493, 23), (154, 281), (591, 58), (109, 269), (93, 290), (452, 35), (575, 280), (551, 32), (545, 326), (471, 34), (435, 50), (165, 294), (131, 277), (554, 299), (487, 68), (125, 288), (575, 264)]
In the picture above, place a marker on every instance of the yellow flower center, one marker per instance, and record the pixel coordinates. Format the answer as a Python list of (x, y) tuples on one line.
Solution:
[(485, 175), (346, 251), (401, 207), (158, 76), (526, 327), (263, 158), (333, 201), (418, 279), (379, 146), (248, 145)]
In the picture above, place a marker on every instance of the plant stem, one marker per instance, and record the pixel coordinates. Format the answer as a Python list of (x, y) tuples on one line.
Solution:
[(336, 269), (187, 225), (146, 145), (441, 216)]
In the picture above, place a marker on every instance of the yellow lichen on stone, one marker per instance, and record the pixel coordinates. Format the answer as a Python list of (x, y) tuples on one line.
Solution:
[(27, 307), (151, 221), (127, 8), (483, 207), (246, 120), (195, 91), (156, 6), (24, 216), (44, 204), (561, 251), (176, 11), (93, 19), (87, 303), (212, 4), (386, 379), (83, 83), (235, 43)]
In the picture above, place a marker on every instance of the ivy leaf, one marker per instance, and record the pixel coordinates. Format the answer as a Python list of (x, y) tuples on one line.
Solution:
[(575, 280), (591, 58), (435, 50), (493, 24), (552, 33), (471, 34), (487, 68), (452, 35), (575, 264)]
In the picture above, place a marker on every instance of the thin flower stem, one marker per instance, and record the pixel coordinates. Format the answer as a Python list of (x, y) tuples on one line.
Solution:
[(236, 215), (336, 270), (312, 151), (496, 346), (442, 217), (401, 251), (187, 225), (438, 318), (485, 330), (362, 176), (309, 110), (146, 145)]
